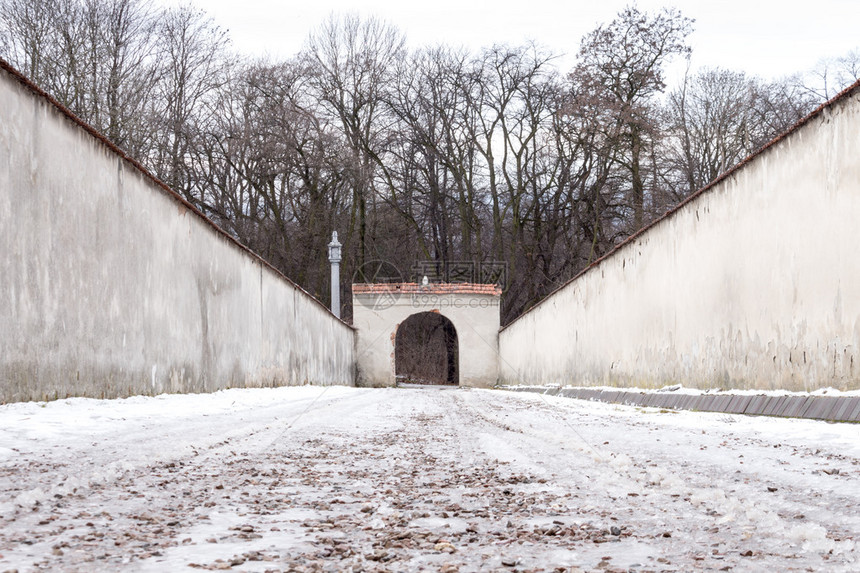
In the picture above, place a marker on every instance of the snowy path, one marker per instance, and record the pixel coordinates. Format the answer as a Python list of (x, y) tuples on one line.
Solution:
[(419, 479)]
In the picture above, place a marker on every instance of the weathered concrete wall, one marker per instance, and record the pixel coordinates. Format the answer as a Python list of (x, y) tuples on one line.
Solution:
[(754, 283), (378, 310), (110, 285)]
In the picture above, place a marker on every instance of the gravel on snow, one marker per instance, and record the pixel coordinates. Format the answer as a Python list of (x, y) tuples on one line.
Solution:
[(419, 479)]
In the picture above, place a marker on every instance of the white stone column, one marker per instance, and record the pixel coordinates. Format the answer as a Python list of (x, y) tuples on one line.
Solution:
[(334, 259)]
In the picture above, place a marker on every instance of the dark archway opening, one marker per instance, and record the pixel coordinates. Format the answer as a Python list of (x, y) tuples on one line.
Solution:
[(426, 350)]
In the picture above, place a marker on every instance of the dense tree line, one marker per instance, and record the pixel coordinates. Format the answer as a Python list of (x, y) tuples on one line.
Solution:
[(432, 154)]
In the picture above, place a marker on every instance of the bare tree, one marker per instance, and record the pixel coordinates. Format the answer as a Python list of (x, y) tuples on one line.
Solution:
[(191, 59), (717, 118), (712, 119), (94, 56), (351, 65), (122, 69), (28, 29), (621, 63), (831, 75)]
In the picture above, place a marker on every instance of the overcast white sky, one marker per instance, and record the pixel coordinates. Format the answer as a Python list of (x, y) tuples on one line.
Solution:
[(770, 38)]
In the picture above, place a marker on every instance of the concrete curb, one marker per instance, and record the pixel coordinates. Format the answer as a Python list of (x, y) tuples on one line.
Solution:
[(829, 408)]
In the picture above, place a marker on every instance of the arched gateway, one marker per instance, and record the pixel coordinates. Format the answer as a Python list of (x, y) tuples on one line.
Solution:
[(470, 330)]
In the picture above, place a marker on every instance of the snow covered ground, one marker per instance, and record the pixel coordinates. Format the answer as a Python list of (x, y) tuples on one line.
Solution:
[(410, 479)]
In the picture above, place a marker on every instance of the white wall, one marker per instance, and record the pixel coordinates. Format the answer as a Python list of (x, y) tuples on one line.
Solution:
[(753, 284), (111, 286)]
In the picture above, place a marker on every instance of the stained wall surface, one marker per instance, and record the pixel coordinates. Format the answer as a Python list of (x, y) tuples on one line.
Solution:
[(753, 283), (111, 285)]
